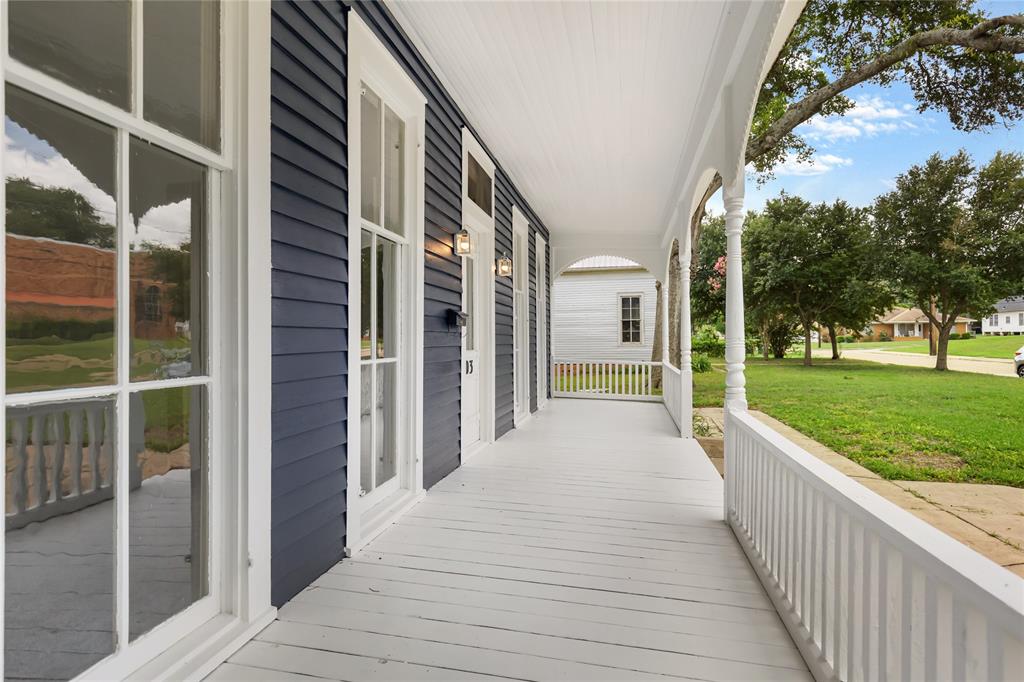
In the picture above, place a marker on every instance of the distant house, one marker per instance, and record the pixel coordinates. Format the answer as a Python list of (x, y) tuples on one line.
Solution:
[(907, 324), (603, 308), (1007, 319)]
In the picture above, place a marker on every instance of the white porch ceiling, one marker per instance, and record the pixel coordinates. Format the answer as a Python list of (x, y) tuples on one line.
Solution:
[(587, 106)]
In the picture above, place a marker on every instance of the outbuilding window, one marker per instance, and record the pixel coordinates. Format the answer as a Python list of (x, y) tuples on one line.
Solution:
[(631, 323)]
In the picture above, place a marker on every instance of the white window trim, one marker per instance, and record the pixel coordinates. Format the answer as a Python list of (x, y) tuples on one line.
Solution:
[(482, 227), (195, 641), (619, 320), (370, 61), (521, 226)]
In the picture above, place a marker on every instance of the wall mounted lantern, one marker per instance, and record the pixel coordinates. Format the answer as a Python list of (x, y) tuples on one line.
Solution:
[(504, 266), (463, 243)]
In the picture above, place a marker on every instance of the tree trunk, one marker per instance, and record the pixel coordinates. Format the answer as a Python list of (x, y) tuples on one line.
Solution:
[(675, 307), (765, 340), (835, 343), (807, 344), (942, 349), (657, 347)]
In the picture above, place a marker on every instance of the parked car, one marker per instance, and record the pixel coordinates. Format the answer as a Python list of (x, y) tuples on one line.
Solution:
[(1018, 360)]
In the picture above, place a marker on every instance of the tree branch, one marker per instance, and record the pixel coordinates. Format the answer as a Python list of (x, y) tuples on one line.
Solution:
[(979, 38)]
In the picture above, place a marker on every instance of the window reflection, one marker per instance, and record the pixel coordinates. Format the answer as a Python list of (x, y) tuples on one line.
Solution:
[(387, 298), (60, 218), (168, 208), (370, 151), (84, 44), (59, 602), (365, 295), (478, 185), (167, 506), (181, 41)]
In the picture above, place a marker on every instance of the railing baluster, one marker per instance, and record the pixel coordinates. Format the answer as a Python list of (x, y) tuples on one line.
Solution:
[(907, 625), (39, 461), (19, 447), (59, 448), (75, 428), (92, 415), (883, 611), (866, 608)]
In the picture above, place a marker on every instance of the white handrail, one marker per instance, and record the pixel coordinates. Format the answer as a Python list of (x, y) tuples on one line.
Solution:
[(868, 590), (672, 387), (603, 380)]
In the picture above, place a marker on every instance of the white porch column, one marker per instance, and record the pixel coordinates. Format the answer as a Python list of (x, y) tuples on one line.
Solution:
[(735, 349), (685, 336)]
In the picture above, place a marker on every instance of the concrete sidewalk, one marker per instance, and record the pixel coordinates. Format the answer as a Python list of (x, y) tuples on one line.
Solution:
[(987, 518), (1002, 368)]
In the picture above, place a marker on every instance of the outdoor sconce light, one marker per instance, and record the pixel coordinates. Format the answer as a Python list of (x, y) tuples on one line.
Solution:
[(463, 243), (504, 266)]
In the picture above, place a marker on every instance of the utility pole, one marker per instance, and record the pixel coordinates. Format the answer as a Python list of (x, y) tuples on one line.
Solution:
[(933, 336)]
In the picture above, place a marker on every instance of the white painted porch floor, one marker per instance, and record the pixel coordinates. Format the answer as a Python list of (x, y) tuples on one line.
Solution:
[(587, 545)]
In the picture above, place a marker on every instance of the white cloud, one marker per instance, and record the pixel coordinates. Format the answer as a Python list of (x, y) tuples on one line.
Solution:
[(57, 171), (869, 116), (819, 164), (168, 225)]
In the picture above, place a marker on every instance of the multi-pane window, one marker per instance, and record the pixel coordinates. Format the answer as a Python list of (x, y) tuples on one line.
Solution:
[(108, 379), (478, 184), (382, 178), (630, 319)]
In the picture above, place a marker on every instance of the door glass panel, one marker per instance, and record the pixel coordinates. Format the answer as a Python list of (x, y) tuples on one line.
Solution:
[(366, 428), (365, 296), (84, 44), (478, 184), (167, 232), (181, 42), (59, 601), (386, 422), (387, 298), (61, 217), (468, 286), (370, 161), (167, 505), (394, 172)]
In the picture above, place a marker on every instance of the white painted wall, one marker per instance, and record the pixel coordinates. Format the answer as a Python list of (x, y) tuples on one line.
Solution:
[(1006, 323), (585, 321)]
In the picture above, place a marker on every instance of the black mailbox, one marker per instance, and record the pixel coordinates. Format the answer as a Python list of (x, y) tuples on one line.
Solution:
[(457, 318)]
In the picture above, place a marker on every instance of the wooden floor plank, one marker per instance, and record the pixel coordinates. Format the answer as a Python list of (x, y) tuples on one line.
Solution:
[(586, 545)]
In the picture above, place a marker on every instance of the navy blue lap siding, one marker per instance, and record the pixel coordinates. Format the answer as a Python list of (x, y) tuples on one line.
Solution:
[(309, 222), (309, 201)]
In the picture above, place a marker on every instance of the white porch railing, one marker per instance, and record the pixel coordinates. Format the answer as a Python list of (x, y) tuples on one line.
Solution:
[(61, 456), (603, 380), (868, 591), (677, 388)]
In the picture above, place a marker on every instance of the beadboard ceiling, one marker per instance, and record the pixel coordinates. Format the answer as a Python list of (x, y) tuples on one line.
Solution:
[(586, 105)]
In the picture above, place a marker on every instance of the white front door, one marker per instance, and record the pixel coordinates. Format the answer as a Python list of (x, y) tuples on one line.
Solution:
[(520, 315), (477, 403), (471, 360), (542, 322)]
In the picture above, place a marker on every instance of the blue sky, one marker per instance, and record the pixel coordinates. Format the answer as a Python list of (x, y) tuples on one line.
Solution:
[(859, 155)]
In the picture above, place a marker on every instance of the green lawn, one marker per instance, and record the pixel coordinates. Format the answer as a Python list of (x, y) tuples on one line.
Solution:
[(903, 423), (999, 347)]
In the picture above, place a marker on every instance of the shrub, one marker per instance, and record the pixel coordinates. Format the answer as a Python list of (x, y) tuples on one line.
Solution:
[(707, 340), (700, 363), (966, 335), (884, 337)]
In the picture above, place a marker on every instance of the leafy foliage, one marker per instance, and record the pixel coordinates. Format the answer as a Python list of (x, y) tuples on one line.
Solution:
[(55, 213), (943, 50), (954, 234)]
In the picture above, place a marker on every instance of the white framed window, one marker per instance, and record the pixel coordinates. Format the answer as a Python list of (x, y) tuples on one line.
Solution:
[(631, 319), (122, 193), (1020, 318), (386, 176)]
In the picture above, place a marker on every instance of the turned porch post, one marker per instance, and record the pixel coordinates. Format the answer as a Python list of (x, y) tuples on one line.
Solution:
[(735, 348), (685, 336)]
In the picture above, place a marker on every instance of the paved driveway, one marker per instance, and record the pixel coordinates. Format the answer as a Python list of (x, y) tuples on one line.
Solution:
[(1002, 368)]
